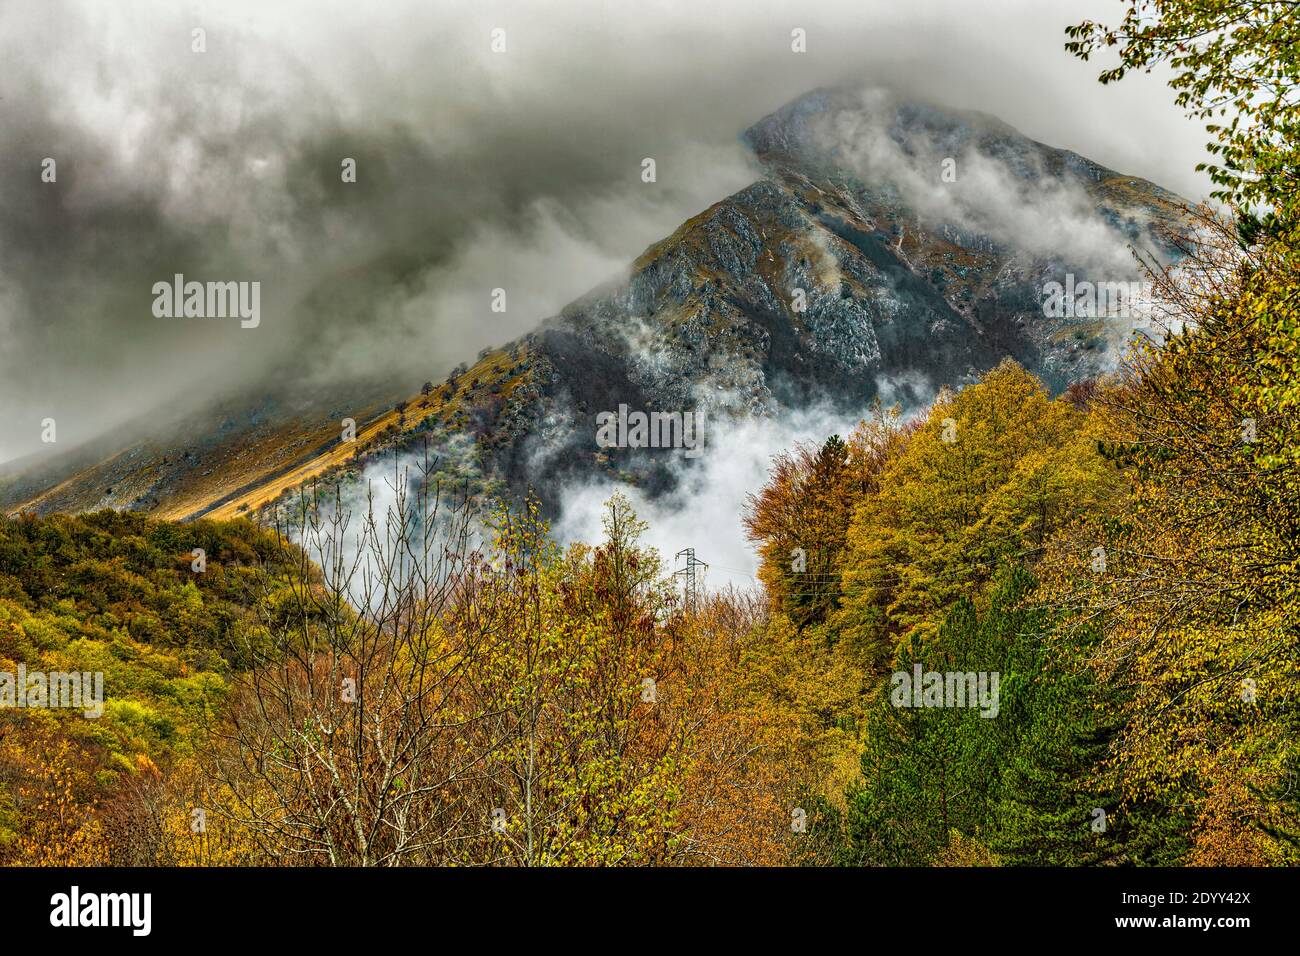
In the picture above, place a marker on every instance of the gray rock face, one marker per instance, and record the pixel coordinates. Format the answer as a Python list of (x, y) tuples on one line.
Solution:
[(888, 240), (889, 247)]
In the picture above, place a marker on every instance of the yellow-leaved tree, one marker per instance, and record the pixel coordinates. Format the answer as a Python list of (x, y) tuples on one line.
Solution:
[(992, 472)]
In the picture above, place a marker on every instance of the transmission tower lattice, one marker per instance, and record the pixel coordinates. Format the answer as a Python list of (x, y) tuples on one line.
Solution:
[(689, 574)]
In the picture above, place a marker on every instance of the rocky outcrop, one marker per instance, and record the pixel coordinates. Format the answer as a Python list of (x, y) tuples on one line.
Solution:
[(824, 282)]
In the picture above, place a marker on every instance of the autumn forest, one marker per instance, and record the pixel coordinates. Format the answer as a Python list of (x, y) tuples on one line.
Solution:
[(1111, 572)]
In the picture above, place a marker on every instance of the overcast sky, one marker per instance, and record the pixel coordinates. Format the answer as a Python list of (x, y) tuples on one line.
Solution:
[(476, 169)]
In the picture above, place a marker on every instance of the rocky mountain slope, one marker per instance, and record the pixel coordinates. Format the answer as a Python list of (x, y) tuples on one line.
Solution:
[(818, 284), (891, 248)]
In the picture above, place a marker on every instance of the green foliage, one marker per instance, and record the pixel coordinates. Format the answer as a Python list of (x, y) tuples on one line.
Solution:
[(1022, 785), (116, 594), (1233, 63)]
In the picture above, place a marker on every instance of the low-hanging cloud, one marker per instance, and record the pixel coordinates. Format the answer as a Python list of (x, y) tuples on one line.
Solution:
[(705, 509), (475, 170), (1007, 195)]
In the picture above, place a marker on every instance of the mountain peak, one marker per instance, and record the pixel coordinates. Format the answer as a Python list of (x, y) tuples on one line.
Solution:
[(891, 246), (800, 126)]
